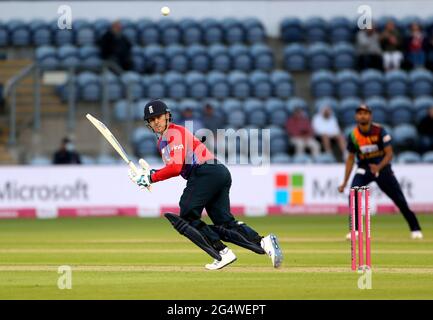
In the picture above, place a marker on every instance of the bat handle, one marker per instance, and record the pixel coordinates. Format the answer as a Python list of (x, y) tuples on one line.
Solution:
[(137, 172)]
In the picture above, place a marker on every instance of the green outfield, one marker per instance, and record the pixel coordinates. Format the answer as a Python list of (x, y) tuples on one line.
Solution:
[(136, 258)]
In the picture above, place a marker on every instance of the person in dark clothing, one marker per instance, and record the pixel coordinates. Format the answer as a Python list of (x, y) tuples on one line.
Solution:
[(66, 154), (391, 43), (116, 47), (425, 130), (371, 145), (416, 46), (212, 120)]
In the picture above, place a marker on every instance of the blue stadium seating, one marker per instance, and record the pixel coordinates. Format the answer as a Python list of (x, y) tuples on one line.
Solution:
[(408, 157), (323, 84), (347, 84), (400, 110)]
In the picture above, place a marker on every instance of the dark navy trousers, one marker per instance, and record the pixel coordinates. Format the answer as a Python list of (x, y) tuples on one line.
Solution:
[(388, 183), (208, 186)]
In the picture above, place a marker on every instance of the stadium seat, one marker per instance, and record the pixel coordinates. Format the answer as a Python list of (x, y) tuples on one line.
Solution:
[(379, 106), (316, 29), (213, 35), (324, 158), (280, 158), (427, 157), (400, 110), (252, 104), (122, 111), (346, 111), (131, 82), (278, 117), (179, 63), (421, 106), (239, 84), (292, 30), (85, 37), (197, 85), (40, 161), (257, 118), (326, 101), (323, 84), (319, 56), (4, 35), (155, 87), (219, 88), (233, 31), (149, 35), (396, 83), (100, 26), (19, 33), (343, 56), (41, 33), (115, 88), (294, 103), (341, 30), (105, 159), (279, 145), (46, 57), (420, 82), (404, 136), (295, 58), (347, 84), (170, 35), (408, 157), (236, 119), (372, 82), (87, 160), (302, 159)]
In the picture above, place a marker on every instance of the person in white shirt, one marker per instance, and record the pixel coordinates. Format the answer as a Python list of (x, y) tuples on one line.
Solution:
[(325, 126)]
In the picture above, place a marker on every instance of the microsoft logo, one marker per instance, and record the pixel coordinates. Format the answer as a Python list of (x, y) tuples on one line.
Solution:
[(289, 189)]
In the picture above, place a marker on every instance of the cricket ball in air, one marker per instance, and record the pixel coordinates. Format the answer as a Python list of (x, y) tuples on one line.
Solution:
[(165, 11)]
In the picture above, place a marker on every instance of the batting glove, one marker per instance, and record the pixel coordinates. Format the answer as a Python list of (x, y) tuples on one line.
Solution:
[(142, 177)]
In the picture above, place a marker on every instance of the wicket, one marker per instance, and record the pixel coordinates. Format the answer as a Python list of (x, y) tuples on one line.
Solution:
[(360, 209)]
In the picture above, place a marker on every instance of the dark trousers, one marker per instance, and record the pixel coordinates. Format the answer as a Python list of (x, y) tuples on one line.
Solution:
[(388, 183), (207, 187)]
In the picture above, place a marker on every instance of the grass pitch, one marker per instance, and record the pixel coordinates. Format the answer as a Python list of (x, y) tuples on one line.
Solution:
[(145, 258)]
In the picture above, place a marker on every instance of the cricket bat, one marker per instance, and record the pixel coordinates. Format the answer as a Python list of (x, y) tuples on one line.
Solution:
[(114, 143)]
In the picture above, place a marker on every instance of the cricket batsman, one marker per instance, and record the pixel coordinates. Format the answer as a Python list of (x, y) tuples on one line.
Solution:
[(208, 186), (372, 146)]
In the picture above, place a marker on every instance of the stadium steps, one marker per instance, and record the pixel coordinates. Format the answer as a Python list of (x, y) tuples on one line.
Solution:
[(50, 105), (86, 138)]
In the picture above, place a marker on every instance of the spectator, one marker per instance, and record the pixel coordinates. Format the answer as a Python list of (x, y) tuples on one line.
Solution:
[(425, 130), (416, 46), (325, 126), (301, 133), (116, 47), (211, 120), (188, 115), (66, 154), (429, 58), (368, 49), (391, 43)]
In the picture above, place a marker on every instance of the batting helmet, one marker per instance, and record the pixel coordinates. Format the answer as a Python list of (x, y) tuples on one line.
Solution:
[(154, 108)]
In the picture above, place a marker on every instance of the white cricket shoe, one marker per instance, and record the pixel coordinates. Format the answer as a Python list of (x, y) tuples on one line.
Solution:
[(227, 257), (416, 235), (273, 249), (349, 237)]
